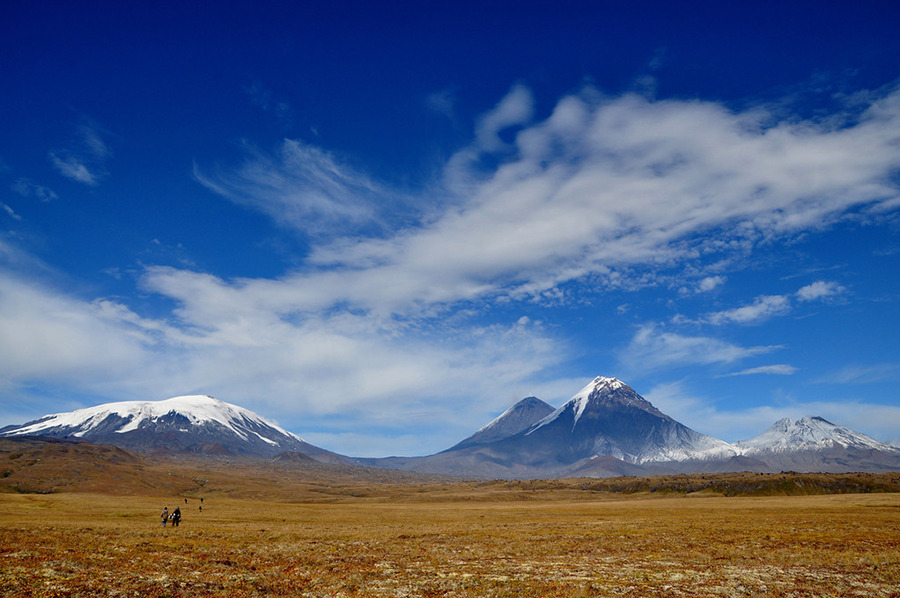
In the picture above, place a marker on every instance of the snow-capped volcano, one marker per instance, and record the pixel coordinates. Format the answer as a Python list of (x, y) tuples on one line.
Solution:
[(815, 444), (607, 417), (604, 428), (193, 424), (808, 433)]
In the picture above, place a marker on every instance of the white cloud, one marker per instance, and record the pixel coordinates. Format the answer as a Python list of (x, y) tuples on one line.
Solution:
[(515, 109), (820, 289), (779, 369), (652, 348), (761, 309), (308, 369), (709, 283), (73, 168), (768, 306), (60, 338), (603, 185)]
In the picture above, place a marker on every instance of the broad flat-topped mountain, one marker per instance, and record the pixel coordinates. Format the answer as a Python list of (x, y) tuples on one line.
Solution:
[(606, 429), (190, 424), (815, 444)]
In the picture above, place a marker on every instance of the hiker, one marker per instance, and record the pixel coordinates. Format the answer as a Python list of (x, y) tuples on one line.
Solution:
[(176, 517), (165, 516)]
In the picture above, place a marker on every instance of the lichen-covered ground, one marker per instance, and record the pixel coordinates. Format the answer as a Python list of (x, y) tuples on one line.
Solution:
[(539, 545)]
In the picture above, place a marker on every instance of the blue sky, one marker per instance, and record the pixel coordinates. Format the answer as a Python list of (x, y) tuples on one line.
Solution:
[(381, 224)]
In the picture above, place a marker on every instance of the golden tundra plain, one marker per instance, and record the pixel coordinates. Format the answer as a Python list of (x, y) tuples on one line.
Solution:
[(311, 530)]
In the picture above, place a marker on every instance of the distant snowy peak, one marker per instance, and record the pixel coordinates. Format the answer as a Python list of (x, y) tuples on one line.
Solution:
[(186, 424), (127, 416), (809, 434)]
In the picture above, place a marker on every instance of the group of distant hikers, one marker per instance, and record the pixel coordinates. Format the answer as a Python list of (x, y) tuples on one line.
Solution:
[(174, 516)]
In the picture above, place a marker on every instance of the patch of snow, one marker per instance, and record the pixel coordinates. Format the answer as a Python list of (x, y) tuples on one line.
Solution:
[(703, 448)]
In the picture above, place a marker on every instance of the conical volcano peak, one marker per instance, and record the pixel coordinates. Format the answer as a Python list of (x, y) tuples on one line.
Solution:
[(603, 390), (605, 382), (607, 417)]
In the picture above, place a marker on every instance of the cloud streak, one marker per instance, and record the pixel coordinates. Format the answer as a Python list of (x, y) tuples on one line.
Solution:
[(301, 187), (779, 369), (652, 348), (83, 159)]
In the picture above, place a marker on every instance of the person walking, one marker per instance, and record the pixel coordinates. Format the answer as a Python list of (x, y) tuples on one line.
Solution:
[(176, 517), (165, 515)]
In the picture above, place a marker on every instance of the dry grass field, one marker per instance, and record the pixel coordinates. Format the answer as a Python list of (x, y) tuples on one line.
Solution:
[(462, 539)]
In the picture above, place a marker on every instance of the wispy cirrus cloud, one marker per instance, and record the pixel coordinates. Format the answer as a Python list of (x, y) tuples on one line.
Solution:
[(302, 187), (652, 348), (28, 188), (863, 374), (10, 212), (74, 167), (265, 99), (83, 158), (779, 369)]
